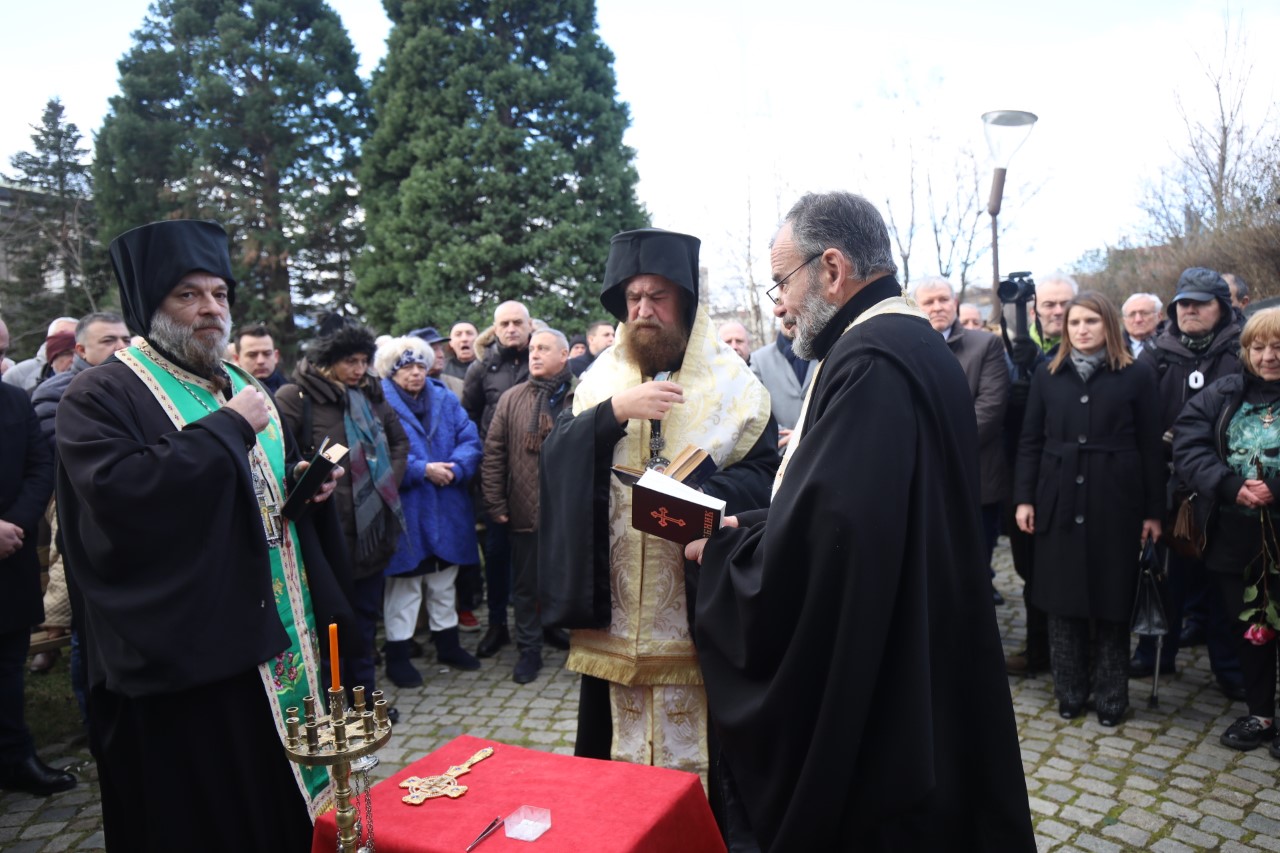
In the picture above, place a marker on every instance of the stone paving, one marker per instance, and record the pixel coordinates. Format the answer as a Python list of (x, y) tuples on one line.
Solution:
[(1160, 781)]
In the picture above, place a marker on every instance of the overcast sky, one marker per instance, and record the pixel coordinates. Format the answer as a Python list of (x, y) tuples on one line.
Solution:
[(765, 100)]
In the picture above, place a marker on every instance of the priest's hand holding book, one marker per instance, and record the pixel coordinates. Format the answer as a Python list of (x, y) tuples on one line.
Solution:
[(317, 487), (647, 401), (693, 550), (330, 484)]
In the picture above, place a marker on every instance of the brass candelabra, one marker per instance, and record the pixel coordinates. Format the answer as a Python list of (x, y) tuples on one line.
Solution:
[(336, 741)]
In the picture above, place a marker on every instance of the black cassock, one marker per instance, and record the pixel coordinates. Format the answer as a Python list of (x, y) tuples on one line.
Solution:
[(166, 553), (847, 634)]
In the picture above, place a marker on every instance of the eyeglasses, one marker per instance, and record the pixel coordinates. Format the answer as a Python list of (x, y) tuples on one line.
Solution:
[(782, 281), (1135, 315)]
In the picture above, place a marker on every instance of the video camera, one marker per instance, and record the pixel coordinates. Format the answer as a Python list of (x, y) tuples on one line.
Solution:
[(1018, 289)]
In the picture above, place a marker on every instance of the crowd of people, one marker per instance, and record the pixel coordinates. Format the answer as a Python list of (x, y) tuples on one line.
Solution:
[(869, 457)]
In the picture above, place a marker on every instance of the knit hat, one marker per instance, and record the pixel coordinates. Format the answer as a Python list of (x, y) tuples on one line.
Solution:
[(58, 344)]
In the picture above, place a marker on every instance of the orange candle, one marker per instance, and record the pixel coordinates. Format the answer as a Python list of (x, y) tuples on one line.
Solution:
[(333, 656)]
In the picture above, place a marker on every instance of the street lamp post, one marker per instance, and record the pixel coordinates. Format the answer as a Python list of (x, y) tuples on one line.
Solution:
[(1005, 130)]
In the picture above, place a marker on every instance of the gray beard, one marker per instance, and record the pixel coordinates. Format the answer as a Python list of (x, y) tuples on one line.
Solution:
[(181, 342), (814, 316)]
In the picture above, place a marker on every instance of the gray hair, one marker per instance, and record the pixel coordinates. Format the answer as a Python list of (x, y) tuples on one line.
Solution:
[(1151, 296), (1060, 276), (933, 282), (82, 327), (844, 221), (389, 351), (556, 333), (53, 325)]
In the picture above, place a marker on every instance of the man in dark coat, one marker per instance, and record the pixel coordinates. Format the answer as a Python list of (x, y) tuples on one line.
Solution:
[(461, 351), (599, 338), (256, 352), (503, 365), (98, 335), (173, 471), (1200, 345), (665, 384), (509, 478), (982, 359), (848, 641), (26, 481)]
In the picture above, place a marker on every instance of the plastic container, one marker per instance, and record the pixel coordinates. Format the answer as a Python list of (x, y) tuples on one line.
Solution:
[(527, 823)]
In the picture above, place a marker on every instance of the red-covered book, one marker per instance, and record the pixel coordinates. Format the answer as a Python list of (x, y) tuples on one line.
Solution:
[(669, 509)]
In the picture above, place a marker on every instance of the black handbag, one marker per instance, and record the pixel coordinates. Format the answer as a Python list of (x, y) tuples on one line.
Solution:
[(1148, 619)]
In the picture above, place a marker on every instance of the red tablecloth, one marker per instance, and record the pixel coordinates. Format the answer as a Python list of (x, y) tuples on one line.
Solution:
[(596, 806)]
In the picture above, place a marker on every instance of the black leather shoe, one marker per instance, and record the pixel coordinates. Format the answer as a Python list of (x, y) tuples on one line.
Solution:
[(1192, 635), (35, 777), (528, 667), (1069, 711), (1247, 733), (1139, 668), (556, 638), (996, 597), (1233, 690), (1022, 663), (495, 638)]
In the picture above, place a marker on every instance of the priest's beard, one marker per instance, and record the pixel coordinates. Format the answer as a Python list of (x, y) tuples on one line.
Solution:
[(814, 315), (202, 356), (653, 347)]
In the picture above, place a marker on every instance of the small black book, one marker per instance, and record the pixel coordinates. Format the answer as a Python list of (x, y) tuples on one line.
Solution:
[(322, 464)]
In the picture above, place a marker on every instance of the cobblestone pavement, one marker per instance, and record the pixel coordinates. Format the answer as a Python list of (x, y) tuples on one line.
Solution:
[(1160, 781)]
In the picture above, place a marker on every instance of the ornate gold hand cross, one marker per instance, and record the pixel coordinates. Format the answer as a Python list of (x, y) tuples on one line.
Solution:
[(445, 785)]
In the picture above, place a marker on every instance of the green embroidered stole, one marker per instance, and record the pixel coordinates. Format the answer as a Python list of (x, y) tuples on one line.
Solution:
[(295, 672)]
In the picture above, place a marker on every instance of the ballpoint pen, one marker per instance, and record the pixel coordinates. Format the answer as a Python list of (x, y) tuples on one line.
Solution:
[(488, 830)]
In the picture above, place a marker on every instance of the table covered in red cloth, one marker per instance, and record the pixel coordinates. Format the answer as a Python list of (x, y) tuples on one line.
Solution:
[(596, 806)]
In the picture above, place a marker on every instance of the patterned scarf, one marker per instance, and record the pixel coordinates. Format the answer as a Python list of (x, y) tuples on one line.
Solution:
[(1197, 344), (547, 394), (374, 490), (1085, 365)]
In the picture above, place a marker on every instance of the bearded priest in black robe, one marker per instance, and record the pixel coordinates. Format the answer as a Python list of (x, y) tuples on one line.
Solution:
[(198, 601), (665, 384), (846, 634)]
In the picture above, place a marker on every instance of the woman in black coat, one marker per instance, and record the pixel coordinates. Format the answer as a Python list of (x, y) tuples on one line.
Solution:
[(1090, 487), (1227, 447)]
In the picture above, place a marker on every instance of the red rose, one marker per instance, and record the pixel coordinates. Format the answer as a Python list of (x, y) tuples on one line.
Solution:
[(1259, 635)]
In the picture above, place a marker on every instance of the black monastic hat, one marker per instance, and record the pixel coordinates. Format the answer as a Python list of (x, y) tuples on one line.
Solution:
[(650, 251), (151, 259)]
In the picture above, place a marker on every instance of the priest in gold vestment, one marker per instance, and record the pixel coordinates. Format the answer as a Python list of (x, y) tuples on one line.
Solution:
[(666, 383)]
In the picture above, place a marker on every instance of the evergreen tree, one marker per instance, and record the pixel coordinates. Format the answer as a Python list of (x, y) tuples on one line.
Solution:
[(496, 168), (250, 113), (54, 265)]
